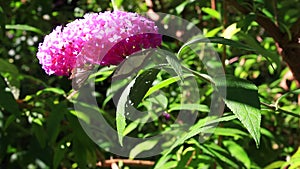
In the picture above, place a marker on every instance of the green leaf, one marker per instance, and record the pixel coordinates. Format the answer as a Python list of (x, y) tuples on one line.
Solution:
[(219, 153), (40, 134), (197, 107), (162, 161), (51, 89), (12, 77), (213, 32), (181, 7), (165, 83), (81, 115), (275, 164), (120, 112), (227, 132), (136, 90), (271, 56), (218, 40), (9, 120), (242, 99), (238, 152), (54, 120), (297, 91), (245, 23), (230, 31), (7, 100), (58, 156), (80, 153), (24, 28), (117, 4), (160, 100), (175, 64), (144, 146), (133, 125), (185, 157), (141, 86), (212, 13), (201, 126)]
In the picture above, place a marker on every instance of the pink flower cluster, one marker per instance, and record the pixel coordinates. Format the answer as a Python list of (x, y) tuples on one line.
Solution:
[(99, 38)]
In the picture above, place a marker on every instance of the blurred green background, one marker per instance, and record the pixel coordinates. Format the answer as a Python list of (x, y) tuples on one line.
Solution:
[(38, 125)]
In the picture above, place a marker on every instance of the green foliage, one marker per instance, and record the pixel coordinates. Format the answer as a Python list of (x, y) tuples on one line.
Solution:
[(259, 127)]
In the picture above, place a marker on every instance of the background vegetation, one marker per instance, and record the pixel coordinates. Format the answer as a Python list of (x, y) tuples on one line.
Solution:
[(39, 128)]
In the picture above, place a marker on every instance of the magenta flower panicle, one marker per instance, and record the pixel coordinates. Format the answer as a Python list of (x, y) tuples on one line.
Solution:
[(98, 38)]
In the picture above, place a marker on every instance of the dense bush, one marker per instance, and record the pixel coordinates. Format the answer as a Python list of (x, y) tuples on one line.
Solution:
[(258, 45)]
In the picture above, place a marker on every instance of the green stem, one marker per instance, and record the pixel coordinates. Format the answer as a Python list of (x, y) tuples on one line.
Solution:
[(115, 7), (202, 76), (273, 107)]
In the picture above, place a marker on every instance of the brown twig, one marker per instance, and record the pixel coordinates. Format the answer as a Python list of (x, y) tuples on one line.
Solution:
[(213, 4), (139, 163)]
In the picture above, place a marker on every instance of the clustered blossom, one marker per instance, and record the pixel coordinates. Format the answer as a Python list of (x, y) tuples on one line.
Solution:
[(99, 38)]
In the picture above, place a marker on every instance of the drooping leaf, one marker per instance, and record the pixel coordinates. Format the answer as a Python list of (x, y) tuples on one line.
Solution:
[(144, 146), (242, 99)]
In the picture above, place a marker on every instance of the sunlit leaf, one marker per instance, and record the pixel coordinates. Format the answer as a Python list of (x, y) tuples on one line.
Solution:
[(197, 107), (242, 99), (275, 164), (130, 127), (165, 83), (24, 28), (238, 152), (212, 13), (230, 31), (52, 90)]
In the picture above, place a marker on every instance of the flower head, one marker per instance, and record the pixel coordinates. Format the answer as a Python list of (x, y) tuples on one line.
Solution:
[(98, 38)]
